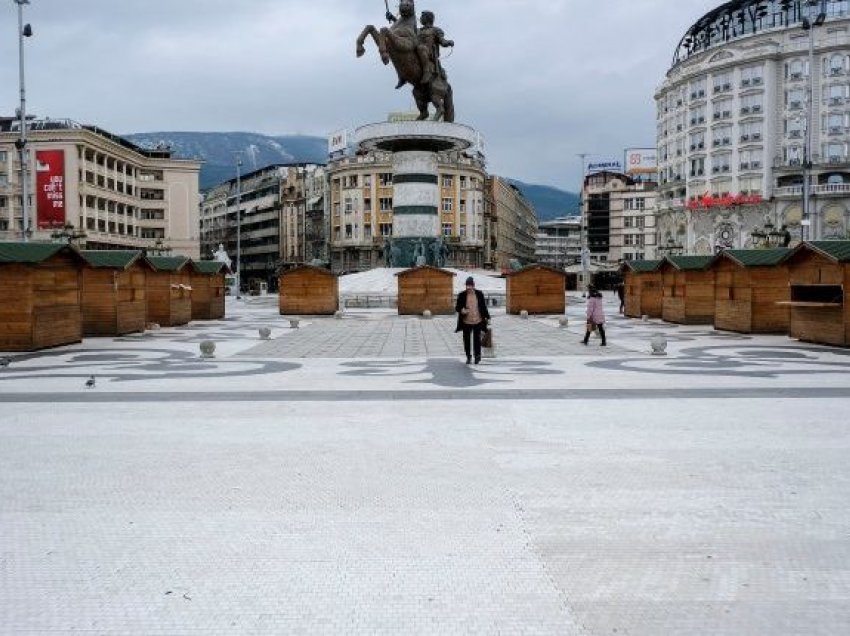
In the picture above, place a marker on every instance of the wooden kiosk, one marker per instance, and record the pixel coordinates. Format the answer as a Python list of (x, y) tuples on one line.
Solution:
[(308, 291), (537, 289), (642, 282), (114, 292), (688, 290), (40, 292), (208, 285), (169, 291), (425, 287), (819, 274), (748, 284)]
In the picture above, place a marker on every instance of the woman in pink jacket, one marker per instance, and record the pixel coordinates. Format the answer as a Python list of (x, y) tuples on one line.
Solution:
[(595, 315)]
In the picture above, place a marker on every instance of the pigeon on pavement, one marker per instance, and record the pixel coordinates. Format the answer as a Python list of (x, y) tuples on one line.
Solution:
[(90, 383), (5, 362)]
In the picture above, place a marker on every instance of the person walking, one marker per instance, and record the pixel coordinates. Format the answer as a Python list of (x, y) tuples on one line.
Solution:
[(595, 315), (621, 294), (472, 319)]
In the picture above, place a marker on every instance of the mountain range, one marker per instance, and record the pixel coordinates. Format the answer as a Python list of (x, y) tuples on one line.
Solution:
[(218, 152)]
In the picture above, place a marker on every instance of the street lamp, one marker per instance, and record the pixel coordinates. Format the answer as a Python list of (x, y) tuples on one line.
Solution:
[(585, 251), (24, 31), (238, 225), (809, 24)]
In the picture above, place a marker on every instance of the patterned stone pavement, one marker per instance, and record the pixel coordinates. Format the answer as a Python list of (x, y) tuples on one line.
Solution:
[(355, 477)]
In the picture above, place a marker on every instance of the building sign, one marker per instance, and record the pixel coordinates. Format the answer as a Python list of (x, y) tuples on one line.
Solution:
[(708, 201), (604, 165), (338, 142), (641, 161), (50, 188)]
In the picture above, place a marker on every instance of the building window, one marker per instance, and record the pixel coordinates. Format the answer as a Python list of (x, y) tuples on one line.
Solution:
[(386, 179), (348, 234), (448, 181), (4, 179), (447, 229), (634, 204), (386, 204), (367, 205), (349, 205), (448, 204), (367, 180), (386, 229), (3, 156), (462, 206)]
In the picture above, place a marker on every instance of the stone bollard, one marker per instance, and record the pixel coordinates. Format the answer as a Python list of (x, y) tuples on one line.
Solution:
[(427, 315), (659, 345), (564, 322), (523, 314), (207, 349), (338, 315), (265, 333), (644, 318), (293, 323)]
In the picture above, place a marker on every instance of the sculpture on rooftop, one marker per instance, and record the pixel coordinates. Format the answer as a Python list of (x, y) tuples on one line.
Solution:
[(415, 55)]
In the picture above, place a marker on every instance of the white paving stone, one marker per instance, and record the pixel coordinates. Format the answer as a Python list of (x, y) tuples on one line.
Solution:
[(602, 493)]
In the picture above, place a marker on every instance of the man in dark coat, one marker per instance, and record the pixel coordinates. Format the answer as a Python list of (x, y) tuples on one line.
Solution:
[(472, 318)]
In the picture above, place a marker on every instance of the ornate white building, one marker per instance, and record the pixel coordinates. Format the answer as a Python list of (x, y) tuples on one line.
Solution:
[(757, 101)]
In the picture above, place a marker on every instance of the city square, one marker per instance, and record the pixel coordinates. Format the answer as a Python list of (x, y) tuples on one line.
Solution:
[(338, 478), (425, 317)]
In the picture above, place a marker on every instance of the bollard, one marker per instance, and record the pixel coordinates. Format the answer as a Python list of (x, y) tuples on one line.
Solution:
[(427, 315), (523, 314), (564, 322), (659, 345), (338, 315), (293, 323), (265, 333), (207, 349)]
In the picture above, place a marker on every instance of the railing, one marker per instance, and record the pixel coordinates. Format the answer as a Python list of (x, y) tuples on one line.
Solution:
[(828, 188)]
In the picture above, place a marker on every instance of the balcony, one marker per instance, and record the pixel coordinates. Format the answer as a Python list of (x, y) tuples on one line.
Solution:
[(838, 189)]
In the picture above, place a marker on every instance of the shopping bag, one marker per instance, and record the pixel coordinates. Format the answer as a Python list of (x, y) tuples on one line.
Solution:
[(488, 349)]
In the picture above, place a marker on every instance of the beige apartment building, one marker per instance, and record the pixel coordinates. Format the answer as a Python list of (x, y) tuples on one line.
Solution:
[(619, 214), (511, 226), (281, 221), (360, 207), (107, 191)]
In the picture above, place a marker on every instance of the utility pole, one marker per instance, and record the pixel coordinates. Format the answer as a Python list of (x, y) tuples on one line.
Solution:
[(239, 225), (24, 31), (585, 251)]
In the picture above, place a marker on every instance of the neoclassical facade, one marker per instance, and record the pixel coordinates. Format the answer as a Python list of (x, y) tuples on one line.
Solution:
[(115, 193), (757, 101), (360, 209)]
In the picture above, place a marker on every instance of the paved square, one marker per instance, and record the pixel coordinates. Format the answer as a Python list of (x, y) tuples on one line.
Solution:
[(284, 487)]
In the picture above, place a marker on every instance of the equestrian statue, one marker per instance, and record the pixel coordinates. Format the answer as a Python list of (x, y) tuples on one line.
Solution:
[(415, 54)]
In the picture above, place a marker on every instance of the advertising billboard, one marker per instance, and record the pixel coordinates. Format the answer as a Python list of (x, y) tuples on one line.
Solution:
[(338, 142), (50, 188), (641, 162), (604, 165)]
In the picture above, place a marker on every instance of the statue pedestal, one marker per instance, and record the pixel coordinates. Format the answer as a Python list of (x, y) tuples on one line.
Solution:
[(417, 235)]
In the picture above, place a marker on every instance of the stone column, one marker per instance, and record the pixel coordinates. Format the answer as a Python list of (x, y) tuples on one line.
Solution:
[(416, 195)]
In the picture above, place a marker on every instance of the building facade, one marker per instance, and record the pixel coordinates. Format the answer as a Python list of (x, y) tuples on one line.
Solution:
[(101, 188), (360, 209), (558, 242), (278, 205), (755, 105), (620, 217), (510, 223)]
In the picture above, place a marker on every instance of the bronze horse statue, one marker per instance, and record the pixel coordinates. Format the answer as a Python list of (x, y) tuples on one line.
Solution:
[(400, 45)]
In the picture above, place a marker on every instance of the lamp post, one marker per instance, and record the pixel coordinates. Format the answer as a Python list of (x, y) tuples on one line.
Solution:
[(24, 31), (585, 251), (809, 24), (238, 226)]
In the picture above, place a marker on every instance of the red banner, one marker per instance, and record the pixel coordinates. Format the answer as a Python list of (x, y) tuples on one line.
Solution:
[(708, 201), (50, 188)]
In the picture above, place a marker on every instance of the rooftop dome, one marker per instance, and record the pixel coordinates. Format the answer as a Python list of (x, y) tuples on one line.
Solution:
[(743, 18)]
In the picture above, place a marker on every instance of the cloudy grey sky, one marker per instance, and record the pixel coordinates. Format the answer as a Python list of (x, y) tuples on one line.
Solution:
[(542, 79)]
